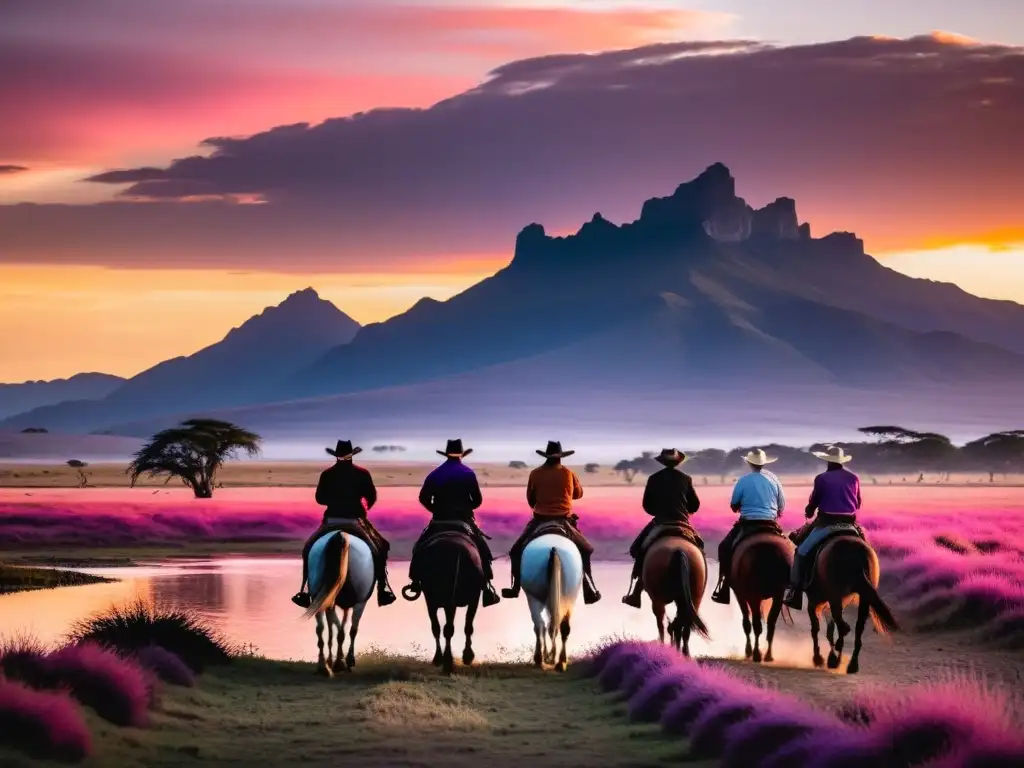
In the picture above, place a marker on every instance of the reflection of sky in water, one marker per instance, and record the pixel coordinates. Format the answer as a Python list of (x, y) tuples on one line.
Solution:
[(247, 598)]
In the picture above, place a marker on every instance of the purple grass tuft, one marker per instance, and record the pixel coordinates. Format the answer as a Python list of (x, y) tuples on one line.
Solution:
[(709, 688), (770, 731), (167, 666), (114, 687), (619, 664), (44, 724), (663, 686)]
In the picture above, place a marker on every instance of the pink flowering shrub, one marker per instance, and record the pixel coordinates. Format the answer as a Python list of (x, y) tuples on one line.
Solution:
[(46, 725)]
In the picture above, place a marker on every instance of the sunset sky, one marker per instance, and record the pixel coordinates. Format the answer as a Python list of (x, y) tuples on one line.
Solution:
[(168, 169)]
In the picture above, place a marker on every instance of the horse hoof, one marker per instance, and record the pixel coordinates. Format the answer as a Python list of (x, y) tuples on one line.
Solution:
[(852, 668), (819, 661), (749, 653), (757, 657), (768, 658), (437, 660), (560, 666), (350, 662), (324, 671), (833, 661)]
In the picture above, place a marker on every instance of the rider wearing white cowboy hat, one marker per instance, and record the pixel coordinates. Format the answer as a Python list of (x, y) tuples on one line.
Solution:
[(759, 501), (835, 498)]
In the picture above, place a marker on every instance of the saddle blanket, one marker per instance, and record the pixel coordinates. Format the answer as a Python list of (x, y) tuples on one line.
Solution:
[(816, 541)]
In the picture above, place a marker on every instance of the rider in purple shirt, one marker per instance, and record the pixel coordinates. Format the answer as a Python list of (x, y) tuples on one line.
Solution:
[(836, 499)]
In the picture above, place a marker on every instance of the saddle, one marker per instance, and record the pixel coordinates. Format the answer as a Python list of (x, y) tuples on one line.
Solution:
[(681, 529), (442, 529), (556, 526), (752, 527), (833, 531), (353, 527)]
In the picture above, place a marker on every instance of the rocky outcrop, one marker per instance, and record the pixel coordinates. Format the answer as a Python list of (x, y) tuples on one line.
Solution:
[(777, 221)]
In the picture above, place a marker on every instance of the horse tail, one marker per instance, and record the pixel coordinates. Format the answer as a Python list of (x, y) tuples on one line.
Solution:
[(881, 616), (335, 567), (690, 617), (555, 588)]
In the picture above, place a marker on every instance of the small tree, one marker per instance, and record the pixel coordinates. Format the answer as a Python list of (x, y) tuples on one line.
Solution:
[(80, 466), (193, 451), (591, 468), (517, 465)]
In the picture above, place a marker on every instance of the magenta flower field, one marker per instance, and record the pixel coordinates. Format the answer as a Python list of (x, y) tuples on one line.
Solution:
[(952, 556)]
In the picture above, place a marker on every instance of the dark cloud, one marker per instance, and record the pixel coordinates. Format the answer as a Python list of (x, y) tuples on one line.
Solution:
[(884, 136), (9, 169)]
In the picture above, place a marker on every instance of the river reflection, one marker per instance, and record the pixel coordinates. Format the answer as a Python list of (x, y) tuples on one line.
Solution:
[(247, 598)]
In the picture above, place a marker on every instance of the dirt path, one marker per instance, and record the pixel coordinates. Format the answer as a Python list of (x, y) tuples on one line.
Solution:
[(387, 713)]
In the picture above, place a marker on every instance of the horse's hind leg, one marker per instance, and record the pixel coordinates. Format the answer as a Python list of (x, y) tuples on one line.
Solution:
[(435, 627), (321, 663), (537, 614), (863, 611), (835, 657), (467, 653), (659, 616), (773, 619), (812, 615), (755, 610), (448, 662), (357, 615), (745, 611), (563, 657), (338, 665)]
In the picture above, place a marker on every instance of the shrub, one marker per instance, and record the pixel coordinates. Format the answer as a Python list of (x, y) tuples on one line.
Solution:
[(136, 626), (114, 687), (45, 725), (166, 666), (23, 659), (661, 688), (768, 732)]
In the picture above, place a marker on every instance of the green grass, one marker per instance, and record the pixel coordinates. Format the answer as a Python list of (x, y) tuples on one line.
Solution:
[(389, 711), (14, 578)]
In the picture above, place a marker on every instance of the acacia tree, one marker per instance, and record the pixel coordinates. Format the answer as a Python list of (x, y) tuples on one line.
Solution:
[(193, 451), (998, 452)]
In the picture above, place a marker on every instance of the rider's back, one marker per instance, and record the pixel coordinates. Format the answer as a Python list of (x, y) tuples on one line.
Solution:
[(552, 489), (759, 496)]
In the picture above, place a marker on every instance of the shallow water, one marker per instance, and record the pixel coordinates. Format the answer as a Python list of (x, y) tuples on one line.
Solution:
[(247, 598)]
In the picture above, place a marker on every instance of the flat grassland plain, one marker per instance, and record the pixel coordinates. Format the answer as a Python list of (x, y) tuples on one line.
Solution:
[(952, 571)]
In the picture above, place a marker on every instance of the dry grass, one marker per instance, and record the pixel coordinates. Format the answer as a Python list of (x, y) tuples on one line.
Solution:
[(16, 578), (388, 712), (282, 474)]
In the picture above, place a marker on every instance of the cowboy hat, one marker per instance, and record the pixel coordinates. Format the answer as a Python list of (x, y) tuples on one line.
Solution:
[(834, 455), (454, 450), (554, 451), (343, 450), (670, 457), (758, 458)]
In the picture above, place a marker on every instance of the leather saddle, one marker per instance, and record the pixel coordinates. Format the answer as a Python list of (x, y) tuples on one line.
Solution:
[(352, 528), (757, 527), (661, 530), (557, 527), (833, 532)]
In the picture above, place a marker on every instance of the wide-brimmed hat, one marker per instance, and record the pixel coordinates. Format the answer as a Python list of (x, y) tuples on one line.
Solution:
[(454, 450), (343, 450), (758, 458), (670, 457), (554, 451), (834, 455)]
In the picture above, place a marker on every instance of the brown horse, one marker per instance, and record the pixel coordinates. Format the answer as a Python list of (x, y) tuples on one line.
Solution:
[(760, 571), (673, 572), (847, 567)]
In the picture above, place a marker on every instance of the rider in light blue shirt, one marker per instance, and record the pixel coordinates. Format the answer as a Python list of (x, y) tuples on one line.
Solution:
[(759, 500)]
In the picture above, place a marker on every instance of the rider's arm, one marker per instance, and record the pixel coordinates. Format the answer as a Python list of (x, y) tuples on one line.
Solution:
[(322, 491), (858, 494), (736, 503), (692, 502), (369, 491), (427, 495), (476, 498), (531, 492), (650, 497), (782, 499), (577, 486), (814, 500)]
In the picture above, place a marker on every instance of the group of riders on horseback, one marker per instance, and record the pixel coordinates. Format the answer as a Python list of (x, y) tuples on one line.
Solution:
[(451, 494)]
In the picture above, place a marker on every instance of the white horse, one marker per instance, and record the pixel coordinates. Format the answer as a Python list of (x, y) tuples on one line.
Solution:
[(551, 573), (341, 575)]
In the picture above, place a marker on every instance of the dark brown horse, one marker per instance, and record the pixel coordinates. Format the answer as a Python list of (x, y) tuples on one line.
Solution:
[(674, 572), (452, 577), (760, 571), (847, 568)]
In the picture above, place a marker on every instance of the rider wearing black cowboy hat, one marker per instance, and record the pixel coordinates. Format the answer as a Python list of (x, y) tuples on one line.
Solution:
[(550, 491), (343, 489), (670, 499), (452, 493)]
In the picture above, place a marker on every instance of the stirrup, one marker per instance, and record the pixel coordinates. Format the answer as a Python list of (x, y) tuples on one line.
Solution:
[(412, 591), (385, 597), (302, 599), (490, 596), (794, 598), (721, 595), (510, 592)]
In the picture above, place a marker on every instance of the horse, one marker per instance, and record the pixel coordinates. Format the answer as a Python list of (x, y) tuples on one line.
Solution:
[(674, 572), (452, 578), (760, 571), (341, 575), (551, 574), (847, 567)]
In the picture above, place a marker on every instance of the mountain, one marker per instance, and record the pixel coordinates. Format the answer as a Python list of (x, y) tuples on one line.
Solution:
[(739, 291), (16, 398), (243, 367), (703, 313)]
